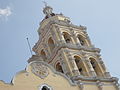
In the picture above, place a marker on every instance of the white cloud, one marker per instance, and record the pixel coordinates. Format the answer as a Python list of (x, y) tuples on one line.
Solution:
[(5, 12)]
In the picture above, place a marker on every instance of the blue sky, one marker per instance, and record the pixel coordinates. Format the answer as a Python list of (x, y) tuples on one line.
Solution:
[(20, 19)]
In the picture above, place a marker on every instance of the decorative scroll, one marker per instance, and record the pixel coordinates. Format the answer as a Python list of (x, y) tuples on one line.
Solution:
[(40, 69)]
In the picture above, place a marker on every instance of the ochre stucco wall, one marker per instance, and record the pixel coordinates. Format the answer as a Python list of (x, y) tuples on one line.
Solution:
[(26, 80)]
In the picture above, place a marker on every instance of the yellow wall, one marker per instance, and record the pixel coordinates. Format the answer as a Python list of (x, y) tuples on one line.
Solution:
[(26, 80)]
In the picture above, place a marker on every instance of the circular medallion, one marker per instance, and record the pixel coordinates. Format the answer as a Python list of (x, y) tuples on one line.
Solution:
[(40, 69)]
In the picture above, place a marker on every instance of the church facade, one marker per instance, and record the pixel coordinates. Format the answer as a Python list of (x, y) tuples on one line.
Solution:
[(64, 59)]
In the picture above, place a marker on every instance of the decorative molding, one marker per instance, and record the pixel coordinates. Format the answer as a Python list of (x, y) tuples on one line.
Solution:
[(63, 23), (35, 58), (72, 64), (65, 45), (80, 84), (107, 74), (92, 73), (45, 29), (46, 85), (68, 74), (86, 78), (99, 84), (76, 72), (40, 70)]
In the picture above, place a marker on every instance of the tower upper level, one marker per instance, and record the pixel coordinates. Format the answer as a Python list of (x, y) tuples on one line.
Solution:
[(67, 47), (63, 25), (51, 17)]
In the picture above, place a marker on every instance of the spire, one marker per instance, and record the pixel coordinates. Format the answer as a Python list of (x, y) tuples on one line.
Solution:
[(47, 10)]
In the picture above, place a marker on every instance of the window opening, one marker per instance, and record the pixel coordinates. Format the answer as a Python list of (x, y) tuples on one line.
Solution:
[(80, 66), (67, 37), (96, 67), (45, 88), (81, 40), (59, 68)]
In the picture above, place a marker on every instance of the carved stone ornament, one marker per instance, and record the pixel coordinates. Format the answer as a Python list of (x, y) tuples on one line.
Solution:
[(40, 69)]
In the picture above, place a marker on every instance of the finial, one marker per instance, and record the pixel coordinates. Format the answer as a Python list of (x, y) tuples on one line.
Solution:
[(47, 10)]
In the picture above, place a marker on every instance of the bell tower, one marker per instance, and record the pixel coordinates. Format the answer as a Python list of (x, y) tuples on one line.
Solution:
[(69, 50)]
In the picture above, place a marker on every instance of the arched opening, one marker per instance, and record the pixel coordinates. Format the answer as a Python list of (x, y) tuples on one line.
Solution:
[(51, 44), (67, 37), (43, 55), (96, 67), (81, 40), (80, 66), (45, 88), (59, 68)]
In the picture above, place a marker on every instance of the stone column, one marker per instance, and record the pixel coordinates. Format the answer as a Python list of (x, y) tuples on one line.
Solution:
[(106, 73), (88, 39), (61, 36), (90, 68), (47, 52), (85, 66), (63, 66), (75, 38), (73, 65)]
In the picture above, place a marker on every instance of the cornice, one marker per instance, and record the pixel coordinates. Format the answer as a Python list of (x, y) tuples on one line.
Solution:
[(34, 58), (102, 79), (65, 23), (69, 46)]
